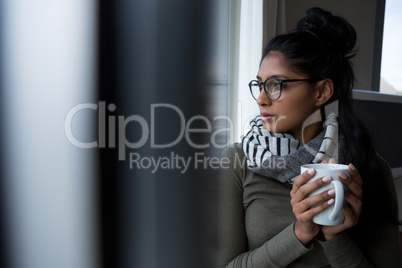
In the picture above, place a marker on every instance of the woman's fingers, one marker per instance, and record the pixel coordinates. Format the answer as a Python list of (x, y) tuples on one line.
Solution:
[(305, 207), (331, 232), (353, 183), (354, 202), (353, 205), (332, 161), (351, 217), (311, 206), (354, 193), (355, 174), (303, 179), (302, 188)]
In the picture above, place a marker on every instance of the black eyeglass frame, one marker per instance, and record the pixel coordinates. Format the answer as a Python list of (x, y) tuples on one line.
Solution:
[(280, 81)]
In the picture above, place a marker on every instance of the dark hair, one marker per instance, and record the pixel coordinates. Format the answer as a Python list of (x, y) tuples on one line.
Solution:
[(321, 47)]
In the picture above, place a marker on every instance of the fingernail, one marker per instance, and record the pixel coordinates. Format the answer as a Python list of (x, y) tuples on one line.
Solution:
[(342, 175), (331, 201), (331, 192), (352, 166), (310, 171), (326, 178)]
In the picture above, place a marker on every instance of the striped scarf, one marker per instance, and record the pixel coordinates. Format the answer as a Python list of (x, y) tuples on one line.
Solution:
[(280, 155)]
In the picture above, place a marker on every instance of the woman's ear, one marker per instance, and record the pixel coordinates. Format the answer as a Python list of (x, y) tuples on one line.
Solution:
[(325, 90)]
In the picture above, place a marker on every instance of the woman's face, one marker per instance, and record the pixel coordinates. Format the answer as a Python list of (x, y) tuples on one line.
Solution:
[(297, 102)]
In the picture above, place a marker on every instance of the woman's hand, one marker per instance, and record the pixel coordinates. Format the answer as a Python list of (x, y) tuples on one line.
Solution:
[(352, 209), (305, 229)]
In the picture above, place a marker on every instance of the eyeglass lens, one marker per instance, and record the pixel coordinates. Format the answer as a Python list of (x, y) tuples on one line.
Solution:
[(273, 88)]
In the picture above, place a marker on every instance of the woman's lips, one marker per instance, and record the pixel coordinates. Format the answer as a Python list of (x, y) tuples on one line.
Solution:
[(266, 117)]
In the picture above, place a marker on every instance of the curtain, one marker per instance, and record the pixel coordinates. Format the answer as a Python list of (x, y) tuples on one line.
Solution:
[(248, 57)]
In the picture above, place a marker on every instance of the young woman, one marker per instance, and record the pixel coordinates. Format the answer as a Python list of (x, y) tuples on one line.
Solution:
[(303, 89)]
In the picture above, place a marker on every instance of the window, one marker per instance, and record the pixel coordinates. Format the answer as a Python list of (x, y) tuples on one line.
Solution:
[(391, 67), (250, 52)]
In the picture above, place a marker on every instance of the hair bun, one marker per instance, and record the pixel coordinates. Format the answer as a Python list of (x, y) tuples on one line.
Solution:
[(334, 30)]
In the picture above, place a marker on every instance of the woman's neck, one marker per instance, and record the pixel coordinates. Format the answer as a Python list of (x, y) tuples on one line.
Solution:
[(309, 132), (310, 128)]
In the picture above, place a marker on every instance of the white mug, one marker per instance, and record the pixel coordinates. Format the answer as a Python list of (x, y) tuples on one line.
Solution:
[(332, 215)]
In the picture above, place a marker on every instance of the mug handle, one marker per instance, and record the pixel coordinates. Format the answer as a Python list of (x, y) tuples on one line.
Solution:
[(338, 199)]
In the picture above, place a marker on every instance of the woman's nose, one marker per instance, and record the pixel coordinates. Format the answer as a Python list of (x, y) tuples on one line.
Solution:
[(263, 99)]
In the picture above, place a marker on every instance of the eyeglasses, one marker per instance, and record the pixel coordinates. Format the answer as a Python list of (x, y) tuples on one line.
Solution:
[(272, 87)]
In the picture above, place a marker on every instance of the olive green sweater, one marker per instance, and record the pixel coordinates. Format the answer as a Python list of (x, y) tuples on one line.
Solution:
[(256, 226)]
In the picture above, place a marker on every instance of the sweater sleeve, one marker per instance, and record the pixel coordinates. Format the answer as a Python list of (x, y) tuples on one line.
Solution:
[(342, 252), (234, 250)]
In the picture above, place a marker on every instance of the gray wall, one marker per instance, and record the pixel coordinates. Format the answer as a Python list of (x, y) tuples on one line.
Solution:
[(365, 15)]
